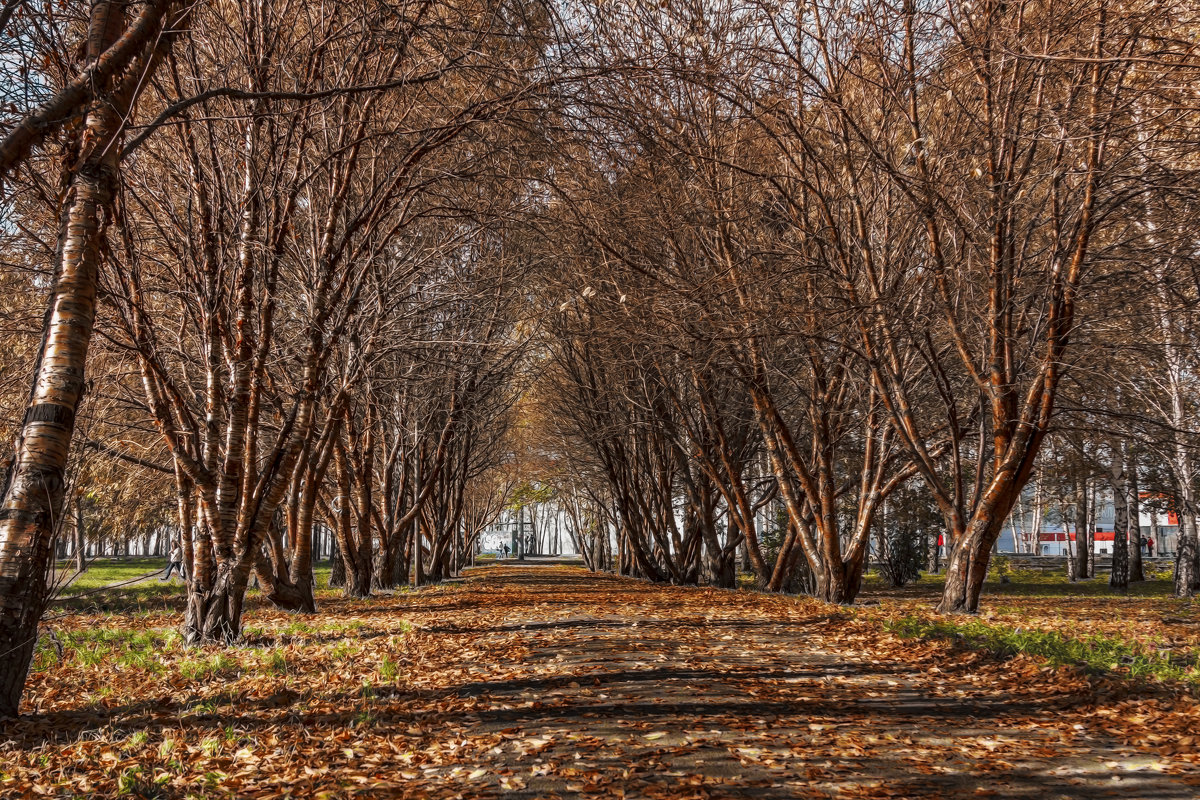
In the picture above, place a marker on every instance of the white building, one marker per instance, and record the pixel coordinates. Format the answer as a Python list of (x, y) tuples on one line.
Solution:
[(1043, 531)]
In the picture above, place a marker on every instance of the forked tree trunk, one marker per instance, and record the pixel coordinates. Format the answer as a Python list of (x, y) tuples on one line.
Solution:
[(216, 615), (284, 594), (840, 582), (718, 561), (282, 591), (358, 584), (966, 571), (385, 567)]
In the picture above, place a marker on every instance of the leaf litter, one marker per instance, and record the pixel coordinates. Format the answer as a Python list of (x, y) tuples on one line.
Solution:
[(545, 681)]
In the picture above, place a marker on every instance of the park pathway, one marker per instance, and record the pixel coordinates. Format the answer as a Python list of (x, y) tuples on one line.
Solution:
[(595, 686)]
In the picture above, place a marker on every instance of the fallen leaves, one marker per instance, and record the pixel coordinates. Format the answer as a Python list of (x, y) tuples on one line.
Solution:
[(614, 689)]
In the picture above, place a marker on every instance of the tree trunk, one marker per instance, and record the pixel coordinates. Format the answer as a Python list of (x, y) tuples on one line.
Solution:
[(1186, 556), (842, 581), (418, 557), (718, 561), (33, 498), (624, 561), (403, 562), (385, 567), (337, 568), (1187, 549), (521, 533), (284, 593), (358, 583), (216, 615), (1136, 573), (1083, 529), (1119, 576), (966, 571), (80, 540)]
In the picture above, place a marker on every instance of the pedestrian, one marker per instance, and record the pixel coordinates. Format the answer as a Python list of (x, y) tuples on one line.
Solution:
[(176, 563), (1150, 546)]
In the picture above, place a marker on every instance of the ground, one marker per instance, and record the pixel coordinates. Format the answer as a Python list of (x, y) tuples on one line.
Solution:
[(542, 680)]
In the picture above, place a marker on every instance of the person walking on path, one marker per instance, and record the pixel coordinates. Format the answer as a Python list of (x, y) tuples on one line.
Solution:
[(176, 563)]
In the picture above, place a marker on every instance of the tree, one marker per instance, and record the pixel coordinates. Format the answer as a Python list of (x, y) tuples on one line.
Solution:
[(119, 53)]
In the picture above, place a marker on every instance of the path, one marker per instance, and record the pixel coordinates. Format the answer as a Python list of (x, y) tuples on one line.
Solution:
[(535, 680), (610, 687)]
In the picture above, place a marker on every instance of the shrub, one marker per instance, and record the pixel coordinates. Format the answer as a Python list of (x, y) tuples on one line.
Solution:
[(1001, 568), (901, 555)]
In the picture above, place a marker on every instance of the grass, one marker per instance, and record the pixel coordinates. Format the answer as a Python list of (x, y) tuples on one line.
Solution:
[(1098, 653), (1144, 633), (276, 663), (1036, 612), (88, 590), (106, 571), (129, 647), (297, 629), (156, 718), (214, 666), (1036, 583)]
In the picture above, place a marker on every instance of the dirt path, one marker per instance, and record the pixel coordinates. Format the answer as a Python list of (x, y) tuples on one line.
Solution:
[(626, 689), (541, 681)]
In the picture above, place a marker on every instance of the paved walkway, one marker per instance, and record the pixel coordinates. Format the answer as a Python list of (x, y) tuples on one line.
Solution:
[(596, 686)]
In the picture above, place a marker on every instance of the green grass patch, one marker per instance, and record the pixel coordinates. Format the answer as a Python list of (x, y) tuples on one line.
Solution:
[(388, 670), (215, 666), (106, 585), (1097, 653), (276, 663), (297, 629), (1033, 583), (321, 570), (107, 571), (139, 649)]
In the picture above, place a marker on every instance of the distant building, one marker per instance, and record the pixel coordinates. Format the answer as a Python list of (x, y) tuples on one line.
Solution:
[(1046, 533)]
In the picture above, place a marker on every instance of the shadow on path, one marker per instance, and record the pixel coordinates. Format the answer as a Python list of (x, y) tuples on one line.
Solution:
[(634, 690)]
